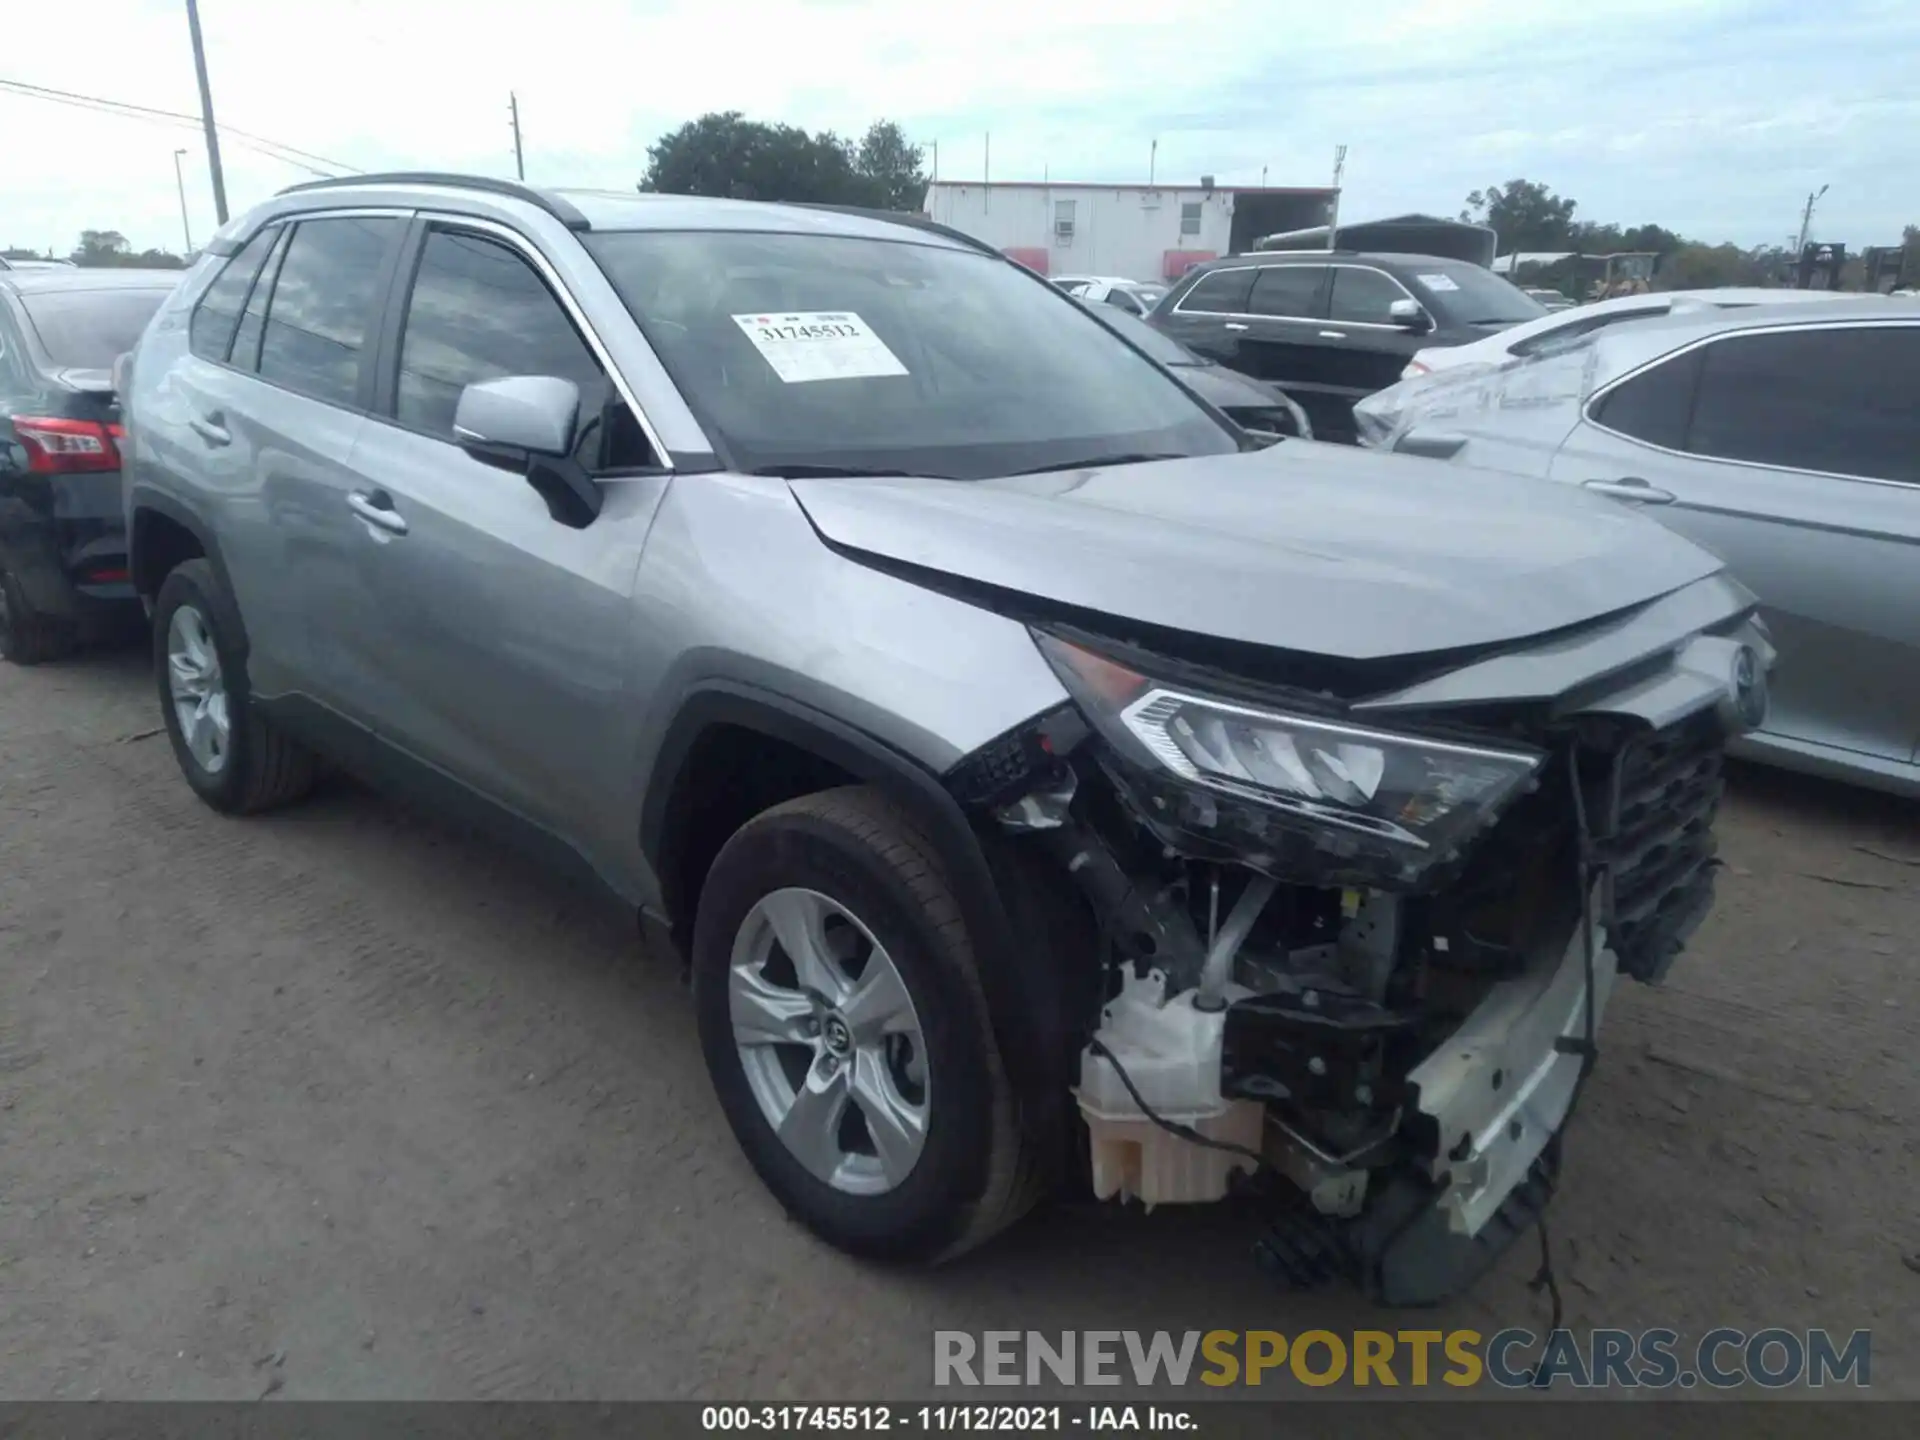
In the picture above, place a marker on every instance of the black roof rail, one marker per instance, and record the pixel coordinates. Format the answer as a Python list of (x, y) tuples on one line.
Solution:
[(554, 205), (908, 218)]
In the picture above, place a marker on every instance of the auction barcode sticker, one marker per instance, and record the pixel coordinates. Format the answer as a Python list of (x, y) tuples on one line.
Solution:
[(819, 346)]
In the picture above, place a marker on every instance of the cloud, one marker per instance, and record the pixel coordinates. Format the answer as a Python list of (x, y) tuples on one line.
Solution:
[(1714, 117)]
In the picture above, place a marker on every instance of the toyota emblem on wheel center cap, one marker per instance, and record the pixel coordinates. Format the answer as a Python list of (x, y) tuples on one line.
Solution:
[(838, 1038)]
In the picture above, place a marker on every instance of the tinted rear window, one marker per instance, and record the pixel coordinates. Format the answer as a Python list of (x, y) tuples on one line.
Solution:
[(90, 329), (1836, 400), (1467, 295)]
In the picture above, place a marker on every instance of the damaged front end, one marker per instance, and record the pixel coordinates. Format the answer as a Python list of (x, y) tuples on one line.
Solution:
[(1357, 949)]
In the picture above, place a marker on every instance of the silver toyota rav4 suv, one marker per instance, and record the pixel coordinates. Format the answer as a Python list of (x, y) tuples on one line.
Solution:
[(1048, 784)]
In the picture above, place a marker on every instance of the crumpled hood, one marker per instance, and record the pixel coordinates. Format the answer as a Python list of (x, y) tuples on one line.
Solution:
[(1320, 549)]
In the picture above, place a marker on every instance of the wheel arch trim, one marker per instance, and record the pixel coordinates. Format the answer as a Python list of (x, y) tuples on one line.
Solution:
[(872, 761)]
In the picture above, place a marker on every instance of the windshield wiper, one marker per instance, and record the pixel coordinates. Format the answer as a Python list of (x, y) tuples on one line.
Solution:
[(831, 472), (1100, 462)]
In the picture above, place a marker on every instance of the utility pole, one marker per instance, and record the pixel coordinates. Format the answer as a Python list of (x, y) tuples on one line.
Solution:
[(1153, 160), (185, 229), (1333, 209), (1806, 221), (214, 171), (986, 175), (513, 108)]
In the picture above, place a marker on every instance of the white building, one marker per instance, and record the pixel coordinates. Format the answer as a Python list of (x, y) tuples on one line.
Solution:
[(1142, 232)]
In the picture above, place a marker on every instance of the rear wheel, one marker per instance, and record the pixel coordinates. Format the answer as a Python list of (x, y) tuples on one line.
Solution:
[(232, 756), (842, 1021), (28, 637)]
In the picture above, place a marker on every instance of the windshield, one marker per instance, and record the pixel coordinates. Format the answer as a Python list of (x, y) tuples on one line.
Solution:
[(1467, 295), (1159, 347), (828, 351), (90, 329)]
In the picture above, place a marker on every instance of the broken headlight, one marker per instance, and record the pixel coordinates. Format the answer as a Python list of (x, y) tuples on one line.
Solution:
[(1391, 806)]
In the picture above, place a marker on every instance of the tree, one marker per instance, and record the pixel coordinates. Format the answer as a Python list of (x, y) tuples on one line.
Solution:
[(728, 155), (100, 247), (1526, 215), (105, 249), (892, 167)]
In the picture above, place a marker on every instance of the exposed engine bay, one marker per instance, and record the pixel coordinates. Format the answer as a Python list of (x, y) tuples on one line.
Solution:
[(1359, 968)]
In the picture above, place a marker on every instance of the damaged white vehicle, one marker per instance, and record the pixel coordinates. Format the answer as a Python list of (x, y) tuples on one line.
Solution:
[(1050, 785)]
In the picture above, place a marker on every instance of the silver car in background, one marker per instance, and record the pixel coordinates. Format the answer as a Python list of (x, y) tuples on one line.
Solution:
[(1784, 439)]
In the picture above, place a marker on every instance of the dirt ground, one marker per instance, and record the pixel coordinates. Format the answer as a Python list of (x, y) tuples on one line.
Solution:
[(342, 1103)]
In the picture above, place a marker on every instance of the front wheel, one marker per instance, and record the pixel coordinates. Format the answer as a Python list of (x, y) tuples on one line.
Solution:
[(842, 1021)]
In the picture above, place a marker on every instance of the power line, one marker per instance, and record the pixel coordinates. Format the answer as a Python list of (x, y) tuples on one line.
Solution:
[(277, 149)]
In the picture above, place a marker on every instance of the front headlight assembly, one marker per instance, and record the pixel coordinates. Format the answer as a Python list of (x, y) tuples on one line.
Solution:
[(1288, 793)]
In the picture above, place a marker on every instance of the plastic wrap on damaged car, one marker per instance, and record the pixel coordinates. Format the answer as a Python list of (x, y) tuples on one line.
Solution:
[(1465, 399)]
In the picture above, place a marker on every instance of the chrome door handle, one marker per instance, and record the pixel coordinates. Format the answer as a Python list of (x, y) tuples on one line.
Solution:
[(210, 428), (1234, 325), (369, 509), (1333, 334), (1631, 487)]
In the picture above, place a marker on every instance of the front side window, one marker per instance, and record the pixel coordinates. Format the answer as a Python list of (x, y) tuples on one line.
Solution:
[(320, 318), (1839, 400), (1220, 292), (479, 312), (1364, 297), (844, 352), (1288, 292), (210, 331)]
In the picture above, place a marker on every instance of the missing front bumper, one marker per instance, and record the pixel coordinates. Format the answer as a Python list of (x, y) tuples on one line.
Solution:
[(1501, 1086)]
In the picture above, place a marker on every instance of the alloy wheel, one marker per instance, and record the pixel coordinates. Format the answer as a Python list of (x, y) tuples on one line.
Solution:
[(198, 690), (830, 1042)]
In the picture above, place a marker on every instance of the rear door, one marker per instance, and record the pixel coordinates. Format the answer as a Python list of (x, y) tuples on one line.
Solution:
[(275, 398), (1210, 316), (1291, 344), (1794, 454)]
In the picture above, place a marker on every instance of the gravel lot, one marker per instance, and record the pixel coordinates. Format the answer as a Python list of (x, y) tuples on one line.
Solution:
[(344, 1103)]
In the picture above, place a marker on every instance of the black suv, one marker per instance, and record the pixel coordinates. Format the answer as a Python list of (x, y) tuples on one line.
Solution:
[(1332, 327)]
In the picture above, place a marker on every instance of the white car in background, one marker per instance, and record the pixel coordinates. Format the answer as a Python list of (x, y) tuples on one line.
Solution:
[(1133, 296), (1563, 327)]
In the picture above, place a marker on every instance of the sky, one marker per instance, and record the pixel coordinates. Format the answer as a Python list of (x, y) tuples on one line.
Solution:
[(1711, 117)]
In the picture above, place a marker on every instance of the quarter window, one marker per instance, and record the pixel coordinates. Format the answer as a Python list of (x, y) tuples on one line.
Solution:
[(1364, 297), (210, 332), (1653, 406), (1288, 291), (324, 303), (1838, 400), (245, 354), (1220, 292)]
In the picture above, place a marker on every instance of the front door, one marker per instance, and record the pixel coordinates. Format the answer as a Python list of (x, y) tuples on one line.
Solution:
[(506, 646), (1794, 455)]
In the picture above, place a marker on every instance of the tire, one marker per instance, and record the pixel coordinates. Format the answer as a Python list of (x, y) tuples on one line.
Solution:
[(28, 637), (974, 1174), (256, 768)]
